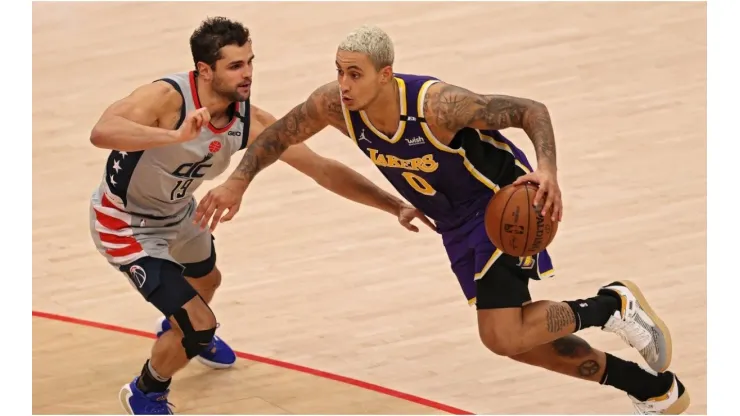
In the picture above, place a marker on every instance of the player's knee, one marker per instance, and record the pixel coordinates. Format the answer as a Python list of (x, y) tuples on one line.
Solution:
[(198, 325), (214, 279), (499, 346), (500, 341), (206, 286)]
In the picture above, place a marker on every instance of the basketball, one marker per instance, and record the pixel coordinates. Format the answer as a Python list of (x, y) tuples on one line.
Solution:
[(514, 226)]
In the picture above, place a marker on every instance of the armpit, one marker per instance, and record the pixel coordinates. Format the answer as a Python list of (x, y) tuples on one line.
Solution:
[(170, 109)]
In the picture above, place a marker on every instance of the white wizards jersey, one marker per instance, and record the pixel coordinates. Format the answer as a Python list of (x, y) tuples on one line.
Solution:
[(159, 183)]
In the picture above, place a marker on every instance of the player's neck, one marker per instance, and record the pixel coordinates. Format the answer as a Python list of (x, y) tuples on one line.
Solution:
[(217, 105), (386, 109)]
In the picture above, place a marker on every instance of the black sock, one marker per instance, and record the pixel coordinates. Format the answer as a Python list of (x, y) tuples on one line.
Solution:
[(594, 311), (150, 382), (634, 380)]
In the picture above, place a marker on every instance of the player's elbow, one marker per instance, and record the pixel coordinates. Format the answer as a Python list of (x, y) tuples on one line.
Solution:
[(534, 115), (101, 134), (98, 135), (536, 110), (325, 173)]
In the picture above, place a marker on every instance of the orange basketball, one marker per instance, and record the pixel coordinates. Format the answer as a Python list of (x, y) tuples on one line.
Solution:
[(514, 226)]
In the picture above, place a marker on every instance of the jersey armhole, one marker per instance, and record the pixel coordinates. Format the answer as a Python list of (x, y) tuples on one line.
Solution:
[(179, 90), (245, 125)]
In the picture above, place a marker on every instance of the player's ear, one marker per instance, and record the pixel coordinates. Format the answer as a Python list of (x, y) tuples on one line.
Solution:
[(386, 74), (205, 72)]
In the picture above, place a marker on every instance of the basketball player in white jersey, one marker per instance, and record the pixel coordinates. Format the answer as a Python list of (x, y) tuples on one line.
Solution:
[(166, 138)]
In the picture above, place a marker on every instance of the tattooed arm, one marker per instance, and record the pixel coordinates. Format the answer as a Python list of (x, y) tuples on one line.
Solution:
[(336, 176), (302, 122), (274, 137), (451, 108)]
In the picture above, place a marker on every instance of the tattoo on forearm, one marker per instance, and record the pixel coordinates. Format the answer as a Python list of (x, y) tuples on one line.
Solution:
[(454, 108), (559, 316), (538, 127), (269, 145), (302, 122)]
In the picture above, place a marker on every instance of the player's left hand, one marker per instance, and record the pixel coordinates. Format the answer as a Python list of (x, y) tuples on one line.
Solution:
[(225, 196), (407, 213), (548, 192)]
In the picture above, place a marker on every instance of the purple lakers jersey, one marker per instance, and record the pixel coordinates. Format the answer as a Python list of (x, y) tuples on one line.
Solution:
[(449, 183)]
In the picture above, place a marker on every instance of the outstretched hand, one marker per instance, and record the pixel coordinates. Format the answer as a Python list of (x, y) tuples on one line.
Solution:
[(227, 196), (407, 213)]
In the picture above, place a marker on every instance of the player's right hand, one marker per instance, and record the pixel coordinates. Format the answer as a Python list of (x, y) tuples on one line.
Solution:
[(194, 121), (225, 196), (407, 213)]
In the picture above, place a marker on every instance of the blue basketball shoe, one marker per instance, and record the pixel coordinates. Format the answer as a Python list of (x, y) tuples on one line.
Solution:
[(217, 355), (136, 402)]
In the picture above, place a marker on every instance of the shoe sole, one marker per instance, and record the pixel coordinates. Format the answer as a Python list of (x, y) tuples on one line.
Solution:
[(213, 364), (656, 320), (680, 405), (123, 397)]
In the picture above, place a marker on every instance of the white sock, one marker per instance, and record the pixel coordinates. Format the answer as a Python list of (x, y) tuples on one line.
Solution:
[(155, 374)]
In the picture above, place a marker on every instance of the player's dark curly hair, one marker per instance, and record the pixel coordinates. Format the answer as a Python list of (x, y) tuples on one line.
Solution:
[(212, 35)]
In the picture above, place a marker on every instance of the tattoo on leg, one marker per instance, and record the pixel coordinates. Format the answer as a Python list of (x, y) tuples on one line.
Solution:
[(588, 368), (559, 317), (572, 346)]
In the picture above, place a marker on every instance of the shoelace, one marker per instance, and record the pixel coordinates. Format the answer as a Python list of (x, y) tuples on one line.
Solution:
[(640, 334), (152, 409), (628, 332), (642, 408)]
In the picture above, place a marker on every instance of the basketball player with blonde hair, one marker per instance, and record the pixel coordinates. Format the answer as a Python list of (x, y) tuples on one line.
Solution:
[(440, 146), (166, 138)]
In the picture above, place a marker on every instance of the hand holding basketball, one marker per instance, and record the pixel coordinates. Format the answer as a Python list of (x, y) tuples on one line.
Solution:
[(548, 191), (513, 224), (194, 121)]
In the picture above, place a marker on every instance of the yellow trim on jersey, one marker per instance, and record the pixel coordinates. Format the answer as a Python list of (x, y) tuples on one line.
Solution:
[(436, 143), (401, 124), (548, 274), (472, 301), (496, 254), (348, 122)]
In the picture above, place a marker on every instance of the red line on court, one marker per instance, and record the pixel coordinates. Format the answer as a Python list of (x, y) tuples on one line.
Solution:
[(318, 373)]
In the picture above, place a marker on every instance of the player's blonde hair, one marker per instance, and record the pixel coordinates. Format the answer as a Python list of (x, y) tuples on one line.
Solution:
[(371, 41)]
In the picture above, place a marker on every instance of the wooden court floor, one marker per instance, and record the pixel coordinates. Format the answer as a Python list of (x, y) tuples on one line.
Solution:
[(317, 282)]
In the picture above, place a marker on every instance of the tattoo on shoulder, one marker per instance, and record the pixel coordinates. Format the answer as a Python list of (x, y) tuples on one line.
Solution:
[(453, 108)]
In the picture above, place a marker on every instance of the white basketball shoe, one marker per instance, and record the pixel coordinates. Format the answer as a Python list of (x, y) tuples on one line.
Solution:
[(639, 326), (674, 402)]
